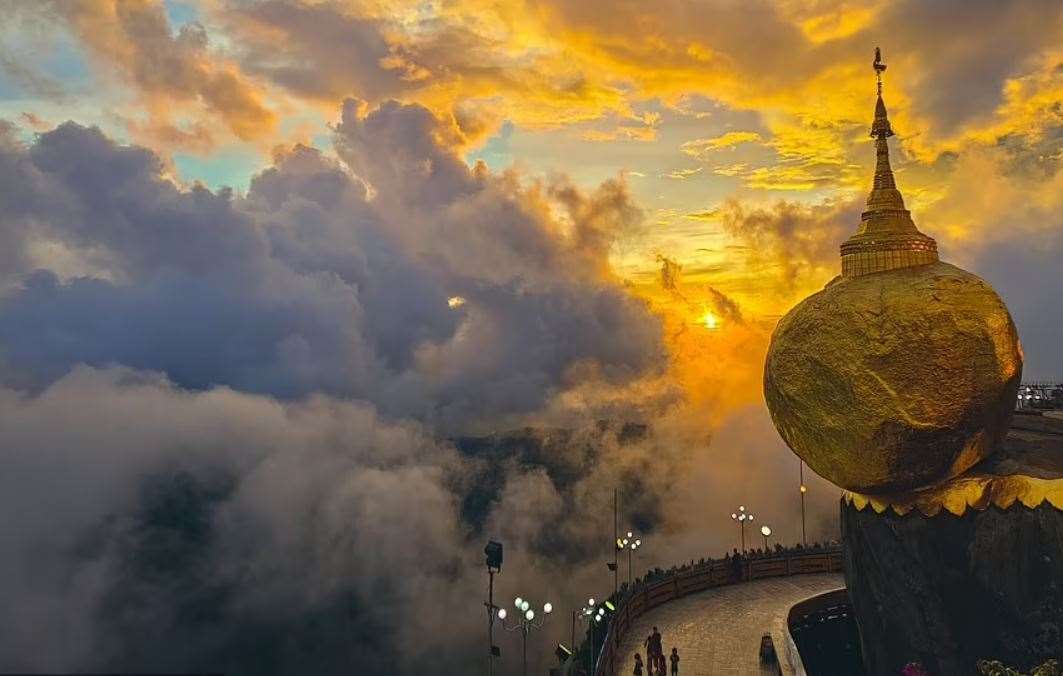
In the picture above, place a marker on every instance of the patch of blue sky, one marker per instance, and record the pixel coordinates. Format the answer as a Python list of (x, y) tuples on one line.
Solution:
[(38, 67), (9, 89), (496, 151), (226, 167), (310, 126), (67, 62), (180, 13)]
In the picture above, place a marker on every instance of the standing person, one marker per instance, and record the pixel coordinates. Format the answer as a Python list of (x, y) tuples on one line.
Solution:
[(675, 661), (638, 665), (658, 651), (651, 662)]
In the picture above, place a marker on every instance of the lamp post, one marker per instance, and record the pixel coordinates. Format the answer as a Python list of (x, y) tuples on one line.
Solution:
[(742, 516), (765, 530), (616, 518), (803, 489), (594, 615), (586, 614), (614, 564), (525, 623), (630, 543), (493, 551)]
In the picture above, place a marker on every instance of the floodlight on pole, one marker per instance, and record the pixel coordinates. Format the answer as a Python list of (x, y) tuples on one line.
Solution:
[(493, 552)]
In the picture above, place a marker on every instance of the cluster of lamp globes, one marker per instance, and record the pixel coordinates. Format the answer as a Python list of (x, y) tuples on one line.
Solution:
[(741, 514), (1029, 393), (599, 614), (629, 541), (525, 608)]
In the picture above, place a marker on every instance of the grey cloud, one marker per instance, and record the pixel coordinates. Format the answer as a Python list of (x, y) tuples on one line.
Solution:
[(310, 284), (960, 79), (726, 306), (328, 53), (155, 528), (795, 237), (225, 485), (1029, 280), (222, 531)]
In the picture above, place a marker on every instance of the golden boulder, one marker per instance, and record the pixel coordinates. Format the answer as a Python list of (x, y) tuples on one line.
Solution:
[(894, 380)]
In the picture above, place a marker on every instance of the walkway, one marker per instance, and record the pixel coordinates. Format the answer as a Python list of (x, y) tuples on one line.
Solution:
[(718, 630)]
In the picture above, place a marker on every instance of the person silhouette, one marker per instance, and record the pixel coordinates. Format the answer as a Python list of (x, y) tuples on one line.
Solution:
[(658, 651), (675, 661), (650, 661), (638, 665)]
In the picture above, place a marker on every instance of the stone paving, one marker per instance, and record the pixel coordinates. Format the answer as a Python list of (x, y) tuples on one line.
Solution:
[(718, 630)]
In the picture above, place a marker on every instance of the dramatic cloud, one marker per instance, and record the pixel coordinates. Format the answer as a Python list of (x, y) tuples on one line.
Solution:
[(307, 284), (222, 531), (232, 476)]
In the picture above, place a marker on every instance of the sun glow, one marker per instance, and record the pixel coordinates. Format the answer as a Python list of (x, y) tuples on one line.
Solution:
[(710, 321)]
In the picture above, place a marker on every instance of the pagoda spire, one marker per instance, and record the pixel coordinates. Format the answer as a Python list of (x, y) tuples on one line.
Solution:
[(887, 237), (884, 193)]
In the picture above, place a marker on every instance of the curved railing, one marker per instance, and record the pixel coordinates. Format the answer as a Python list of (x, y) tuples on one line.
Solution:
[(699, 578)]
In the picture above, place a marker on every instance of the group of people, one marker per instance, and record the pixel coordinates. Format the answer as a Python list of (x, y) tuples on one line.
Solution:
[(655, 661), (729, 557)]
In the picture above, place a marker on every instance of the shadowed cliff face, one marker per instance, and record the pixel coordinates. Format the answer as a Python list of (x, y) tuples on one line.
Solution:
[(948, 591)]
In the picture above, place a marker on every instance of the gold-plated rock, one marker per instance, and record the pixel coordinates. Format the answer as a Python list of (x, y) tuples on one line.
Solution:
[(903, 371), (894, 380)]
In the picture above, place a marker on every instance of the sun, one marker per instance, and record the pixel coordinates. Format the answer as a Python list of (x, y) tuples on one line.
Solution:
[(711, 321)]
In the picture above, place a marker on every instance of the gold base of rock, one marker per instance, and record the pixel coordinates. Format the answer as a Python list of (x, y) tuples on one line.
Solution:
[(1028, 470)]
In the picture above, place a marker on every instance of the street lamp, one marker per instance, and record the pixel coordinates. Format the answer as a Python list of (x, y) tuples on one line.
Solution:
[(594, 615), (766, 532), (742, 516), (587, 614), (525, 622), (630, 543)]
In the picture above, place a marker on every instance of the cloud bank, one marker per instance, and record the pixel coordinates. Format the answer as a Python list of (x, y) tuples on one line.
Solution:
[(326, 276), (227, 415)]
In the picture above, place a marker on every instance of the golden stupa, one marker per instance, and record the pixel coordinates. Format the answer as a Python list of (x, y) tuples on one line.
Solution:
[(903, 371)]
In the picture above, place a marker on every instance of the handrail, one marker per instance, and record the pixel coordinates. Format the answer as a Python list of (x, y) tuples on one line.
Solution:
[(716, 573)]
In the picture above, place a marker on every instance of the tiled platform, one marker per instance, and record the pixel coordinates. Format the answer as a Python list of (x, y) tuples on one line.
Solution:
[(718, 631)]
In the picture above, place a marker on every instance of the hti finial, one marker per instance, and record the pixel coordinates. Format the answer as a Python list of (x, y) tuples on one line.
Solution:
[(879, 67), (881, 126)]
